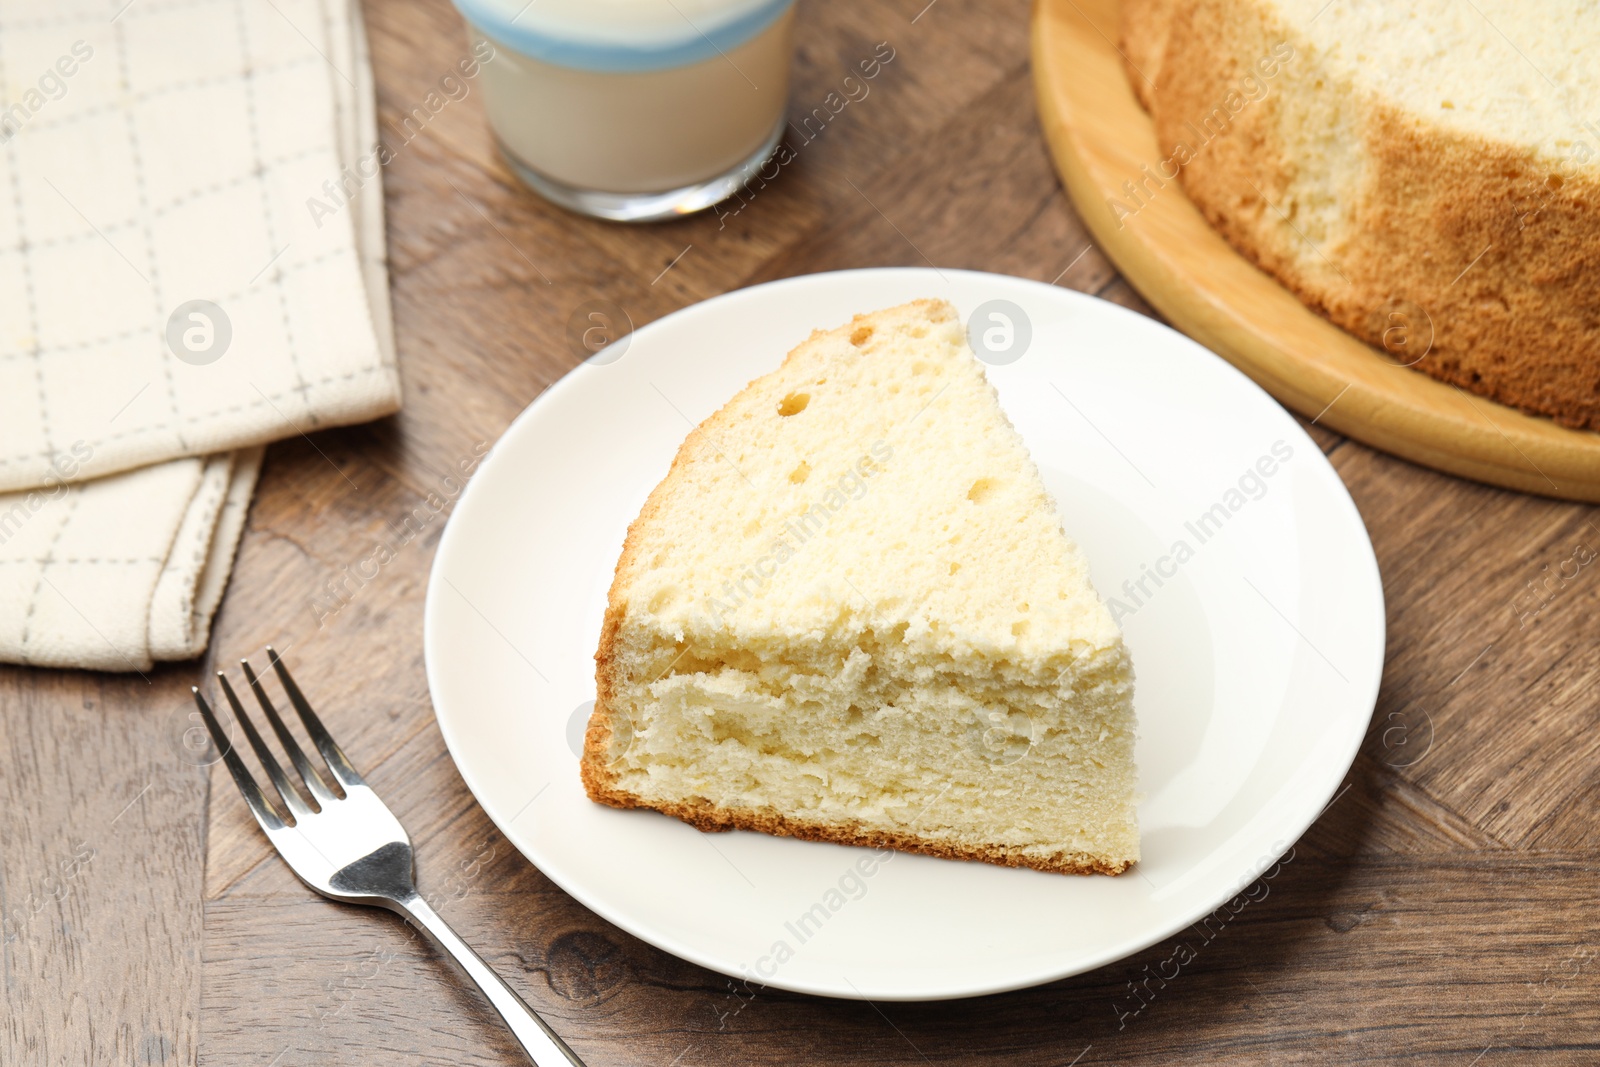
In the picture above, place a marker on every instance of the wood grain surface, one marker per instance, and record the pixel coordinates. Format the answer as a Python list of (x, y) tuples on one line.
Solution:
[(1105, 147), (1442, 910)]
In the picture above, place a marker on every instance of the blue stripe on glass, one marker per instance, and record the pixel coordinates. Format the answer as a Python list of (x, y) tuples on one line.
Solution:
[(696, 45)]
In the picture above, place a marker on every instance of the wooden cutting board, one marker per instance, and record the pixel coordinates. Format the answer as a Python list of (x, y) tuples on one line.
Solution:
[(1099, 137)]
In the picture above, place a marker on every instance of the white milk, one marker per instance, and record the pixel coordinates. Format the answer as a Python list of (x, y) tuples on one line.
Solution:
[(635, 109)]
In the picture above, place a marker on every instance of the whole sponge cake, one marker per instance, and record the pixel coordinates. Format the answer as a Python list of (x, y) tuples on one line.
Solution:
[(1426, 174), (849, 613)]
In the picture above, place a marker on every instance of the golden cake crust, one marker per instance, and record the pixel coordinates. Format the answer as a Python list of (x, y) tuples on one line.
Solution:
[(1477, 255), (1143, 40), (710, 819)]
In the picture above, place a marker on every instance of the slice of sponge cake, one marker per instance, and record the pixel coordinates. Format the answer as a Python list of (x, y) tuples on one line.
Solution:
[(849, 613)]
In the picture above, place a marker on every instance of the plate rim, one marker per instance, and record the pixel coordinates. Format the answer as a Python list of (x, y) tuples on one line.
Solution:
[(1340, 497)]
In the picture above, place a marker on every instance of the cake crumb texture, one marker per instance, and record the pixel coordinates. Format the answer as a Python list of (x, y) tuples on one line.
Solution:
[(849, 613)]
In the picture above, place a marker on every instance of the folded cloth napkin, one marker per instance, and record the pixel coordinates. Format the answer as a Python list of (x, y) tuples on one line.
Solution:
[(193, 255)]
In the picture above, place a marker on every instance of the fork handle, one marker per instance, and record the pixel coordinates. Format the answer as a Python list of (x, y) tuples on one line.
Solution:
[(540, 1042)]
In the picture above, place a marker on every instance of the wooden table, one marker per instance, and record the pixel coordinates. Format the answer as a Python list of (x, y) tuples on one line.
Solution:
[(1442, 910)]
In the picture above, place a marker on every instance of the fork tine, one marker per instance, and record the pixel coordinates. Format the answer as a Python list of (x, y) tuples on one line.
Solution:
[(297, 756), (324, 741), (280, 781), (264, 812)]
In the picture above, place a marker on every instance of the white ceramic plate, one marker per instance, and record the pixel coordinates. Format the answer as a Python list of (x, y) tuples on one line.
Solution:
[(1258, 657)]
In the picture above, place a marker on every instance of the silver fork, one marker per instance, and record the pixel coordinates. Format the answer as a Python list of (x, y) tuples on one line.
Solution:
[(352, 848)]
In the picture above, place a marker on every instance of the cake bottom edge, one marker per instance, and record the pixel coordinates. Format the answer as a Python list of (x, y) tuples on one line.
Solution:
[(710, 818)]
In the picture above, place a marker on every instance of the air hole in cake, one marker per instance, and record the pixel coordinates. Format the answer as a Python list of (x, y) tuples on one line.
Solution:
[(793, 404), (982, 490), (954, 567), (663, 600), (724, 728), (752, 528), (919, 368), (1019, 628), (800, 473), (860, 335)]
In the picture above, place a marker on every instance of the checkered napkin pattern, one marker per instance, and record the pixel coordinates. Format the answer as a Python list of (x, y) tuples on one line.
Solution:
[(191, 265)]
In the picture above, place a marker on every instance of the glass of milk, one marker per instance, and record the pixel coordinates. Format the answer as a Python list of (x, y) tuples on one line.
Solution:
[(634, 109)]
